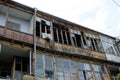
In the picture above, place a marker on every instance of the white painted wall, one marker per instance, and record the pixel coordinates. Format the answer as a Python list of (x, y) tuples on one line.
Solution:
[(114, 58), (24, 24), (2, 20)]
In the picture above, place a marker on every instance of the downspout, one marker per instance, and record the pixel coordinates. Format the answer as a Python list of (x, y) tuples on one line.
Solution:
[(34, 39)]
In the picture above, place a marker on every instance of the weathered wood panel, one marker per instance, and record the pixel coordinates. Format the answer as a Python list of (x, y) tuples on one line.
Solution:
[(78, 51), (19, 36), (43, 43), (16, 35)]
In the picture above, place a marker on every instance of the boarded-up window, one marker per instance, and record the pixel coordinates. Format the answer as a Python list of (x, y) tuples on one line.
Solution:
[(13, 25)]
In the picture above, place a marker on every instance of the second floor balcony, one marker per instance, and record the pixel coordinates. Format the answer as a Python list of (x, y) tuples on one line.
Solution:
[(49, 45)]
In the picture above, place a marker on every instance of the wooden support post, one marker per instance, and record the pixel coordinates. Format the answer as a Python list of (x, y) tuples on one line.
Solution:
[(107, 72), (93, 73), (13, 68)]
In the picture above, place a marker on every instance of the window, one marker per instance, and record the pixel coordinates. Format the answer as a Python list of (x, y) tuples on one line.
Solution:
[(43, 29), (59, 66), (21, 64), (61, 34), (48, 63), (73, 70), (84, 71), (99, 71), (13, 25), (37, 28), (49, 74), (39, 65), (43, 25)]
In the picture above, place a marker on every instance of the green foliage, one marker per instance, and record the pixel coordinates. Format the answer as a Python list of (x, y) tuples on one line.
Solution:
[(118, 76)]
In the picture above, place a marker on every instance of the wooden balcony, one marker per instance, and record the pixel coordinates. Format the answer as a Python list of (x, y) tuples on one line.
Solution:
[(27, 38), (16, 35)]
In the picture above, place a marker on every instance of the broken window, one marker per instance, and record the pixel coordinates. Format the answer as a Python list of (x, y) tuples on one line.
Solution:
[(84, 71), (43, 24), (64, 37), (49, 73), (43, 29), (78, 40), (99, 71), (48, 29), (37, 28), (74, 40), (68, 37), (55, 35), (61, 34)]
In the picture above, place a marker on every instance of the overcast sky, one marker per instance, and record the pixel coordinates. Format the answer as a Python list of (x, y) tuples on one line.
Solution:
[(99, 15)]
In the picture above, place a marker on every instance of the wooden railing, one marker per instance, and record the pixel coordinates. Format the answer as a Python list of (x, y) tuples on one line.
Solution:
[(27, 38), (16, 35)]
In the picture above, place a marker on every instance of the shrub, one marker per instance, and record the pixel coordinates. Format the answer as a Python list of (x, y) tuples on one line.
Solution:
[(118, 76)]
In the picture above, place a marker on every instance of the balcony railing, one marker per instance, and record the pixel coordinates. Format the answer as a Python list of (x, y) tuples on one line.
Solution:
[(16, 35), (27, 38)]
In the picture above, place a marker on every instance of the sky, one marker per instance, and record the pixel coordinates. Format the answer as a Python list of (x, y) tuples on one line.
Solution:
[(100, 15)]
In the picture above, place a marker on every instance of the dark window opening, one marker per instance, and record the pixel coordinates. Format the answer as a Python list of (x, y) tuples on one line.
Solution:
[(48, 28), (78, 40), (43, 24), (24, 64), (68, 36), (49, 74), (55, 25), (4, 74), (55, 35), (21, 64), (60, 36), (18, 67), (37, 28), (92, 44), (64, 37), (84, 73), (84, 41)]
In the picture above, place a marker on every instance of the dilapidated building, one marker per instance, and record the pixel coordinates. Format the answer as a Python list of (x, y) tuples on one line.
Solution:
[(35, 43)]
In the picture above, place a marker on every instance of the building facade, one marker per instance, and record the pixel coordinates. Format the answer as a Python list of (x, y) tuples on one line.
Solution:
[(41, 45)]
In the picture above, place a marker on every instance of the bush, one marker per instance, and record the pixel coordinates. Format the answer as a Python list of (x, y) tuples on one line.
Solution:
[(118, 76)]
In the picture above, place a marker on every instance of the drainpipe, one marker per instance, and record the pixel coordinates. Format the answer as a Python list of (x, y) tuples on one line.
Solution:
[(34, 39)]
